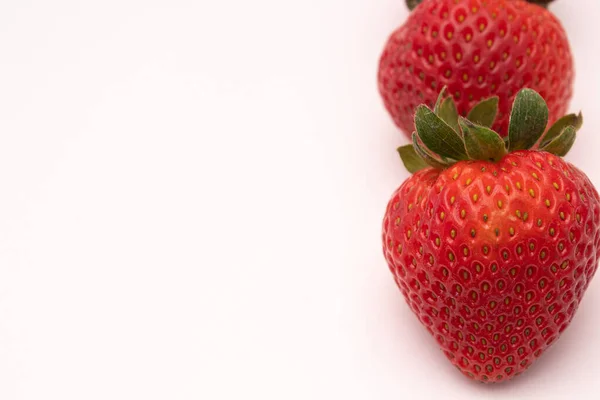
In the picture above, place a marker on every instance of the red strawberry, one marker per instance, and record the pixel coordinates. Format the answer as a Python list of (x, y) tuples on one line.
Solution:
[(477, 48), (494, 252)]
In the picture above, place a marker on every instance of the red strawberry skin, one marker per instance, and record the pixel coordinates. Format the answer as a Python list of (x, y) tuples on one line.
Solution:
[(494, 259), (478, 48)]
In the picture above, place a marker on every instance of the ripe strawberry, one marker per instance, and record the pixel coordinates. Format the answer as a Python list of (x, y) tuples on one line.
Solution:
[(493, 252), (477, 48)]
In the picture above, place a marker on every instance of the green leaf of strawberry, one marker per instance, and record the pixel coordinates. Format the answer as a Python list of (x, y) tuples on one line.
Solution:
[(482, 143), (412, 161), (448, 113), (563, 142), (427, 156), (438, 136), (484, 113), (575, 120), (528, 120)]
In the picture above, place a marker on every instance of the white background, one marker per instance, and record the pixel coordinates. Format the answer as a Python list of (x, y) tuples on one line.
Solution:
[(191, 195)]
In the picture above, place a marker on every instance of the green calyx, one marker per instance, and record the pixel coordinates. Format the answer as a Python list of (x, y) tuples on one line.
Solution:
[(411, 4), (443, 138), (542, 3)]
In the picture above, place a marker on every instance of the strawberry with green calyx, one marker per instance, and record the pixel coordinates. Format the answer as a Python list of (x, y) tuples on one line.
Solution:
[(493, 242), (478, 49)]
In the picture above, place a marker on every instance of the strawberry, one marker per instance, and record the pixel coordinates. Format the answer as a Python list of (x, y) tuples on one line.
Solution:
[(493, 242), (478, 49)]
